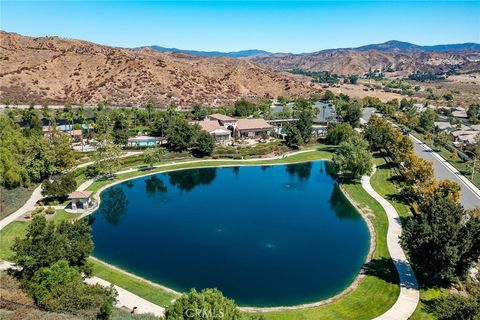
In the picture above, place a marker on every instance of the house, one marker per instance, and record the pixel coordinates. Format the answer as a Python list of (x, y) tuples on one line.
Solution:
[(216, 129), (466, 135), (253, 128), (143, 141), (366, 115), (76, 135), (460, 113), (443, 126), (81, 199), (225, 121)]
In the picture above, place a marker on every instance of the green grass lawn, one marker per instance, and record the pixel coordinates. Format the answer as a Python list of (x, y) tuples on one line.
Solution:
[(139, 287), (8, 235), (18, 229), (383, 182)]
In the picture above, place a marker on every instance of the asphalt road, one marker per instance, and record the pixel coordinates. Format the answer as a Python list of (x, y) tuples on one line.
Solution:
[(470, 197)]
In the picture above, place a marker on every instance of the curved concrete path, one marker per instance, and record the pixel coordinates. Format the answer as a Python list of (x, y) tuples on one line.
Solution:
[(409, 294)]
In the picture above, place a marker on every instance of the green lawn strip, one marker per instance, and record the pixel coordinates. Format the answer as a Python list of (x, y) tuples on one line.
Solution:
[(19, 229), (382, 182), (8, 235), (139, 287), (379, 289)]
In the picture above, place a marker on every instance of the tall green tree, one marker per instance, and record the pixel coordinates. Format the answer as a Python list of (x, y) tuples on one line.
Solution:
[(204, 143), (426, 120), (46, 242), (338, 132), (442, 241), (107, 156), (180, 134), (294, 138), (352, 158)]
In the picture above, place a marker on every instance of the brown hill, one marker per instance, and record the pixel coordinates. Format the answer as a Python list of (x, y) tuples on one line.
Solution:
[(55, 70), (352, 61)]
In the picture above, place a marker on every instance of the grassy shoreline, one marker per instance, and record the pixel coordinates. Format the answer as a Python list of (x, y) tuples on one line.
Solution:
[(374, 295)]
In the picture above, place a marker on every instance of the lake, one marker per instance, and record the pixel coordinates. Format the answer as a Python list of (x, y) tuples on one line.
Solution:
[(264, 235)]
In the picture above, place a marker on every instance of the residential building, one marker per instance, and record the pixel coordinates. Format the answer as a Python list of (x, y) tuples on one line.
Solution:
[(223, 120), (143, 141), (253, 128), (460, 113), (443, 126), (216, 129), (466, 135)]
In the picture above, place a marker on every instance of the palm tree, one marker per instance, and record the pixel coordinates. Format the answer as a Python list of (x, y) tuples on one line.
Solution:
[(150, 106), (81, 117), (46, 114)]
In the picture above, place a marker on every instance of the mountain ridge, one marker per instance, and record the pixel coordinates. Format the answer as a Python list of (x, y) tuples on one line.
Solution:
[(57, 70), (388, 46)]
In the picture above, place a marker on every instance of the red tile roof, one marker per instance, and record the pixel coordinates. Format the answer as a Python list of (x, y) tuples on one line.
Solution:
[(80, 194), (253, 124), (221, 117)]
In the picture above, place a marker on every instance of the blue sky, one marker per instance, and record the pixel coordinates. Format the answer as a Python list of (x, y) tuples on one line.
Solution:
[(278, 26)]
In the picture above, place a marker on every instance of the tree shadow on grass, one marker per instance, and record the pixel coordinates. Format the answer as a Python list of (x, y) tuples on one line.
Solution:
[(382, 268)]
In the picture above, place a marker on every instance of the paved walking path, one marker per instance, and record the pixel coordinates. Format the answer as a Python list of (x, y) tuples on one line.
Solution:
[(409, 294), (28, 206), (129, 300)]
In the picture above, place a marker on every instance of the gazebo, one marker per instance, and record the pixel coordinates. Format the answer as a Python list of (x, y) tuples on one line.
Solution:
[(81, 199)]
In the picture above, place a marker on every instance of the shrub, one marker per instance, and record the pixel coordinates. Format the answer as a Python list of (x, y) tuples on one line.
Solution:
[(37, 211), (50, 210)]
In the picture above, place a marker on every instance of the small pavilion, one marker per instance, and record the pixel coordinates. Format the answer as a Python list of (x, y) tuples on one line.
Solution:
[(81, 199)]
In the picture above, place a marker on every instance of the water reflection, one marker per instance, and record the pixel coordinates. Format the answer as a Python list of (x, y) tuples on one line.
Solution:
[(301, 170), (236, 170), (114, 205), (341, 206), (329, 168), (187, 180), (154, 185), (265, 168)]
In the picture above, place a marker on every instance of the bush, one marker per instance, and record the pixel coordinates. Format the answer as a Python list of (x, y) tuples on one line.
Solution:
[(61, 288), (457, 307), (60, 187), (37, 211), (207, 304), (50, 210)]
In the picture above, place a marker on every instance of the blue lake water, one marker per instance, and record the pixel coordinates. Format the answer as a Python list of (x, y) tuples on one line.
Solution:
[(264, 235)]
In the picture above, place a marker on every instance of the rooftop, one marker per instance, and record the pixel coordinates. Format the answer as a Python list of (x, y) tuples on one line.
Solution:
[(209, 125), (251, 124), (80, 194), (221, 117)]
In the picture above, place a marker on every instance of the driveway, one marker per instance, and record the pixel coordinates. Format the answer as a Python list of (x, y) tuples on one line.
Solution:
[(470, 197)]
